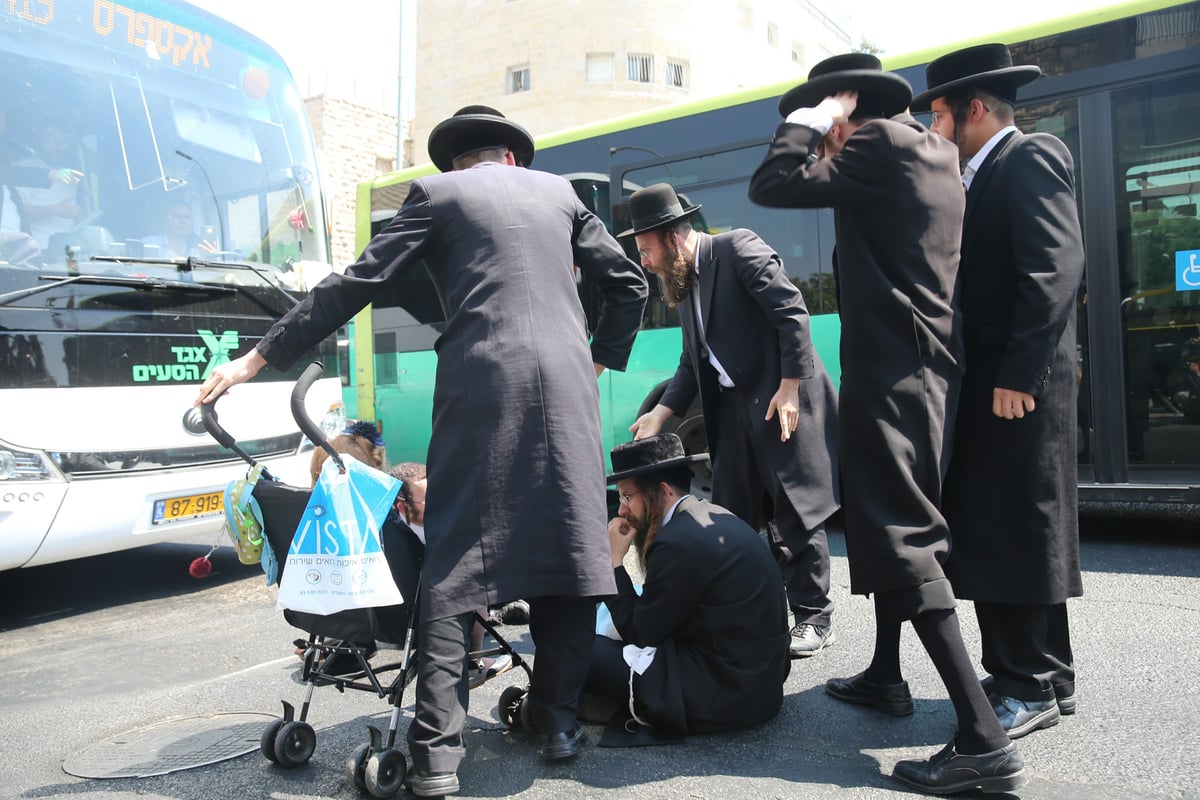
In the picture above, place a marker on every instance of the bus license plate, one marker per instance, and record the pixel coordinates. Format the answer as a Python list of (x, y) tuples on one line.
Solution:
[(192, 506)]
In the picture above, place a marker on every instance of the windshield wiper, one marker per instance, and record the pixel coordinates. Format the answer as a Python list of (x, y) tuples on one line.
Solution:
[(114, 280), (191, 263), (204, 262)]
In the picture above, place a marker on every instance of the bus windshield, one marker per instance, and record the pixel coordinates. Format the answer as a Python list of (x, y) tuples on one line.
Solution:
[(149, 132)]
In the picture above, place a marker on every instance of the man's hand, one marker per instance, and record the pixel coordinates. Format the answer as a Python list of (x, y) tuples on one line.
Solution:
[(1011, 404), (65, 175), (237, 371), (620, 537), (650, 423), (787, 402), (840, 106), (599, 368)]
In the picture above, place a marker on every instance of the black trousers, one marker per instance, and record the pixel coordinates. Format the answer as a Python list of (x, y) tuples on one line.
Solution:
[(1027, 649), (745, 483), (562, 629)]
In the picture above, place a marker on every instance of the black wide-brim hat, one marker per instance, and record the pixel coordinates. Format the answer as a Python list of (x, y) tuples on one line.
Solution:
[(477, 128), (985, 66), (652, 454), (654, 207), (884, 93)]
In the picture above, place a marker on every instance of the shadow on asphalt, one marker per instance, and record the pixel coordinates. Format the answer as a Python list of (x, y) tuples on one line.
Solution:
[(34, 595)]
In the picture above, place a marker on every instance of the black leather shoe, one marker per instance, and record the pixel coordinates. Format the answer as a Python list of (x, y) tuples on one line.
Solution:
[(432, 784), (950, 772), (1021, 717), (562, 745), (890, 698), (1063, 695)]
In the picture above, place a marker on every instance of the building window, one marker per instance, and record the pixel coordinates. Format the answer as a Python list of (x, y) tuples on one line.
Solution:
[(518, 79), (639, 67), (745, 16), (798, 53), (600, 68), (677, 73), (772, 34)]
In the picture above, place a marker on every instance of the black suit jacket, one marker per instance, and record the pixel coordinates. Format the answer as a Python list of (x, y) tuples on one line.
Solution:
[(1012, 493), (898, 206), (713, 604), (756, 323), (516, 465)]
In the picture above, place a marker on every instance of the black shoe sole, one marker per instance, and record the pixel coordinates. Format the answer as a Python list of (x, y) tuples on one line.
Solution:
[(991, 785), (893, 708), (1046, 720)]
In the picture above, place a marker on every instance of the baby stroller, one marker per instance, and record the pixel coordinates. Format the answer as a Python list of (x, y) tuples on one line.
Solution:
[(376, 767)]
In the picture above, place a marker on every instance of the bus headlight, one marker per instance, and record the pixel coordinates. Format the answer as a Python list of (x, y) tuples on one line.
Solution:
[(24, 465)]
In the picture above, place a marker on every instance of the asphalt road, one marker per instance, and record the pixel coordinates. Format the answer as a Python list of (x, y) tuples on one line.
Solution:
[(91, 650)]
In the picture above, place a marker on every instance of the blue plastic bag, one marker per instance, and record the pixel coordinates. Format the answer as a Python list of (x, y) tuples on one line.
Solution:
[(336, 561)]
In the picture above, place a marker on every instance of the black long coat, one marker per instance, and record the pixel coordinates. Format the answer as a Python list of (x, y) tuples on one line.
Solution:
[(1011, 493), (898, 206), (516, 504), (759, 329), (713, 605)]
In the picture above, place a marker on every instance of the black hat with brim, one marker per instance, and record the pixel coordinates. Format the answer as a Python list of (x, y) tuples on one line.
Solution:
[(654, 207), (986, 66), (882, 93), (652, 454), (477, 128)]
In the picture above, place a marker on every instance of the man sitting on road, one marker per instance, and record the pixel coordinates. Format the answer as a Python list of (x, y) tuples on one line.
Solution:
[(705, 645)]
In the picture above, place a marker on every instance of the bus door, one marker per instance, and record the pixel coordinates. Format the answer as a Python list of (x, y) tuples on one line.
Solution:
[(1156, 137)]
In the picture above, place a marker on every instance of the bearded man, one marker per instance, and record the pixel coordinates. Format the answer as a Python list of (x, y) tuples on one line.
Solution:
[(748, 351), (705, 645)]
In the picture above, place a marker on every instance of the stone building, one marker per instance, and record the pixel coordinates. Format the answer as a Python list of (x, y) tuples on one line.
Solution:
[(354, 142), (555, 64)]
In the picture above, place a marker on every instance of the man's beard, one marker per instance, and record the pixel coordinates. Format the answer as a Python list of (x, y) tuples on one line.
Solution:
[(677, 279), (645, 529)]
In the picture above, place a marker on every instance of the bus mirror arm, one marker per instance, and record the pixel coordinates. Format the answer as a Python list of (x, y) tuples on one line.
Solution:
[(310, 429)]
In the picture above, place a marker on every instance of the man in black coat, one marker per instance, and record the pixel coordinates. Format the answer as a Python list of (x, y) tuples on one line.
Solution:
[(704, 647), (1011, 493), (897, 213), (515, 454), (748, 351)]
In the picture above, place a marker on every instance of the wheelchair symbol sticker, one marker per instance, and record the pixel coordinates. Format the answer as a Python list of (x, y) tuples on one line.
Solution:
[(1187, 270)]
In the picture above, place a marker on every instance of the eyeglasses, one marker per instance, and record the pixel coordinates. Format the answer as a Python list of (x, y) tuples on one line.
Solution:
[(412, 502), (625, 498)]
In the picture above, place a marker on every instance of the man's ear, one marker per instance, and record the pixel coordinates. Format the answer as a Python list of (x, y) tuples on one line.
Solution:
[(509, 158)]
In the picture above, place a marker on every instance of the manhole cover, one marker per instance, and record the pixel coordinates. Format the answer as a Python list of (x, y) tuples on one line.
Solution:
[(170, 746)]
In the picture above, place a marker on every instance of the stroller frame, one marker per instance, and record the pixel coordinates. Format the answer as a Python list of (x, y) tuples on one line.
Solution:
[(376, 767)]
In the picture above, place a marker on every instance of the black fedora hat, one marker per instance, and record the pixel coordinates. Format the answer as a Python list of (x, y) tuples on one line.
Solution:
[(477, 128), (884, 93), (651, 454), (654, 207), (986, 66)]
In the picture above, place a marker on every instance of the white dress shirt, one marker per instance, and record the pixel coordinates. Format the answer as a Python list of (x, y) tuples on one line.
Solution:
[(977, 160)]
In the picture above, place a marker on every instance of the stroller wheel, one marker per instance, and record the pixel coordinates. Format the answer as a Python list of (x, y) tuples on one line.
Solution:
[(266, 744), (356, 767), (295, 744), (385, 773), (511, 706)]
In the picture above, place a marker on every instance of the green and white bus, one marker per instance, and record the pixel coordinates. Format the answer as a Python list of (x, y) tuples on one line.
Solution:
[(181, 129), (1121, 88)]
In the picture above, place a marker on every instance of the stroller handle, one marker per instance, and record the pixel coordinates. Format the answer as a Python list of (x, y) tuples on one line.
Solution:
[(208, 415), (310, 429)]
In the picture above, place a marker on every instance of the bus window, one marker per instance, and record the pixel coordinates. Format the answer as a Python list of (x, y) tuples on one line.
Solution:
[(1158, 175)]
